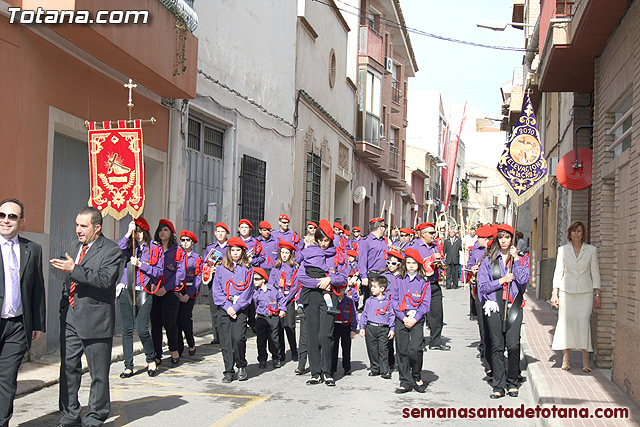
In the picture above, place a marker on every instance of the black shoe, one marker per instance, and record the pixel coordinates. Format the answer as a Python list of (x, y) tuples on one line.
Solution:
[(126, 374), (152, 372), (442, 347), (420, 388), (215, 341), (242, 374), (294, 357), (299, 371), (513, 393), (330, 382), (227, 378), (347, 372), (276, 364), (315, 380), (192, 352), (497, 394), (472, 318), (402, 390), (386, 375), (175, 361), (373, 374), (333, 310), (262, 365)]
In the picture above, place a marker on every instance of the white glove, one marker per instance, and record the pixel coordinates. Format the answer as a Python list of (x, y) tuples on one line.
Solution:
[(491, 307), (119, 288)]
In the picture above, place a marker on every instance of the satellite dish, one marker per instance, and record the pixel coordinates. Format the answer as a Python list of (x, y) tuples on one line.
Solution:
[(359, 194)]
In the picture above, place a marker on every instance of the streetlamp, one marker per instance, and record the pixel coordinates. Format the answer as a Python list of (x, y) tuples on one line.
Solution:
[(501, 25)]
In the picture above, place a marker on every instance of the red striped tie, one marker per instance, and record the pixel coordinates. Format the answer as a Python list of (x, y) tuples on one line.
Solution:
[(72, 289)]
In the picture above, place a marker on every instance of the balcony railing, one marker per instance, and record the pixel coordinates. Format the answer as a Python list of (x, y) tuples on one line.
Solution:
[(564, 9), (396, 92), (371, 43), (185, 7), (394, 156)]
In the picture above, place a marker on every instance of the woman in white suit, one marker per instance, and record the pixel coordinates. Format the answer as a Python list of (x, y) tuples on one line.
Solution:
[(576, 290)]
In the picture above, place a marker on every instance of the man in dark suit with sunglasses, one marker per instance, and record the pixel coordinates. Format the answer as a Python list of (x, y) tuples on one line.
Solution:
[(22, 299)]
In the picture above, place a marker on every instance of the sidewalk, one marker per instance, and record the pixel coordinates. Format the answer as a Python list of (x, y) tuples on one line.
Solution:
[(567, 389), (45, 371)]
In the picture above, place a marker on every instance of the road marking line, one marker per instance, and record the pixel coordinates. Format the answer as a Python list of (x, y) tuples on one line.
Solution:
[(234, 415)]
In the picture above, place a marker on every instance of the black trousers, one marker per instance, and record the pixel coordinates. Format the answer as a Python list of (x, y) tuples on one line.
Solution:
[(485, 338), (287, 326), (319, 331), (98, 353), (302, 344), (435, 316), (164, 313), (452, 276), (390, 352), (377, 340), (409, 350), (341, 335), (366, 290), (267, 331), (185, 325), (13, 346), (233, 339), (141, 321), (214, 317), (504, 379), (472, 302)]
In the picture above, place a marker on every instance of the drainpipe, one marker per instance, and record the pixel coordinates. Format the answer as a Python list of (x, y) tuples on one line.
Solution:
[(532, 47)]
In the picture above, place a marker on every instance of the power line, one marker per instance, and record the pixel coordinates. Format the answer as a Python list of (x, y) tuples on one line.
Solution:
[(392, 24)]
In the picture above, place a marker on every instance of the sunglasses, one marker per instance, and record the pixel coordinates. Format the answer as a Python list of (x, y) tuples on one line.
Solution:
[(403, 235), (185, 239), (432, 232), (258, 279), (12, 217), (311, 227), (393, 263)]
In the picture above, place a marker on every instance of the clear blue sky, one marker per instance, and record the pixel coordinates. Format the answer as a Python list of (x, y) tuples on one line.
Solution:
[(463, 73)]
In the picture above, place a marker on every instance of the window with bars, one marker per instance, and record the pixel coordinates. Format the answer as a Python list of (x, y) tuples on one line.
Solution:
[(314, 173), (252, 190), (205, 138)]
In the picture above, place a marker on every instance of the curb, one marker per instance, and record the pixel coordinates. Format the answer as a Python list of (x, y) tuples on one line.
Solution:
[(118, 357)]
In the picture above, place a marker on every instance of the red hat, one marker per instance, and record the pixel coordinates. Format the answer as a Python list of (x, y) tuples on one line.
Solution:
[(287, 245), (326, 228), (223, 225), (190, 235), (396, 254), (265, 225), (346, 232), (261, 272), (486, 231), (312, 223), (407, 230), (357, 229), (376, 219), (283, 216), (245, 221), (237, 241), (413, 253), (505, 227), (352, 252), (424, 225), (168, 224), (142, 223)]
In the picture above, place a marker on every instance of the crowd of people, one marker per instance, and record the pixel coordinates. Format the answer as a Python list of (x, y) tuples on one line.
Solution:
[(337, 282)]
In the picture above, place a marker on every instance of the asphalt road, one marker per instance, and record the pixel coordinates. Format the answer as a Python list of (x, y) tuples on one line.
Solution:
[(193, 393)]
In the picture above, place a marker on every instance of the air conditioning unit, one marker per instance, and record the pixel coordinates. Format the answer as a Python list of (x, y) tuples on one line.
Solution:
[(388, 64)]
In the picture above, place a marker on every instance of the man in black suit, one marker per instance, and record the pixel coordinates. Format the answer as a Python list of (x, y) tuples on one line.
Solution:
[(87, 319), (452, 246), (22, 300)]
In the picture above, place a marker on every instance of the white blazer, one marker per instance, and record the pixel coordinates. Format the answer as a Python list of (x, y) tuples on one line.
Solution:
[(574, 275)]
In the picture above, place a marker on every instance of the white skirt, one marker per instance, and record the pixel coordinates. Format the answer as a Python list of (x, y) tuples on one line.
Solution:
[(573, 330)]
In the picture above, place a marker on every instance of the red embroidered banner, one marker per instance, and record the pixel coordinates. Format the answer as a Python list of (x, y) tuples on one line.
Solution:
[(116, 169)]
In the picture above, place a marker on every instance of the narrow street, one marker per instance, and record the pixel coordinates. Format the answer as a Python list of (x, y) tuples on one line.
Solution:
[(193, 392)]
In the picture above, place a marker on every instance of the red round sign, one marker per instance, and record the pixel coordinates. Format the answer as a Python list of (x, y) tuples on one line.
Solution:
[(577, 178)]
